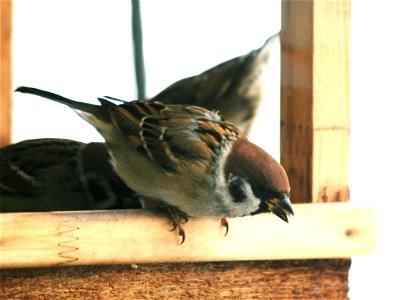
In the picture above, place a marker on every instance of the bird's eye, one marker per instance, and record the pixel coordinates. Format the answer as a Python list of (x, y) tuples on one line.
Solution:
[(261, 191), (236, 188)]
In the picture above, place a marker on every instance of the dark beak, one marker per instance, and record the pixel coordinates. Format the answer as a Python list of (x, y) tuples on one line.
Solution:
[(281, 207)]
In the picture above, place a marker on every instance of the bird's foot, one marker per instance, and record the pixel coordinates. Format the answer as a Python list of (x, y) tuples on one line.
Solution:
[(224, 223), (178, 218)]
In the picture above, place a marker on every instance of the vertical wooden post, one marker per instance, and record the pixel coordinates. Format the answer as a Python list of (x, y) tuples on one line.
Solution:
[(5, 69), (315, 99)]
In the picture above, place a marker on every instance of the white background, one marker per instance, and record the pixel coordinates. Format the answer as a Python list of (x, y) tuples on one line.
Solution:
[(82, 49)]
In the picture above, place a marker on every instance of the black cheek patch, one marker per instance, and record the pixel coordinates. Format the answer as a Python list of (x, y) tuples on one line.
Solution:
[(236, 190)]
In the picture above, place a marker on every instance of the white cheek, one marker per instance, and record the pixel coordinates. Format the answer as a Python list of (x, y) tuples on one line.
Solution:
[(250, 205), (249, 192), (252, 200)]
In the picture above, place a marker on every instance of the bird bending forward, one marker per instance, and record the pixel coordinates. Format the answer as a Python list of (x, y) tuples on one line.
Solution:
[(186, 157)]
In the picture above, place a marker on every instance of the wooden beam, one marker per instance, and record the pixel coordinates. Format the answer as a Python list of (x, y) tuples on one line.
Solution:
[(5, 69), (141, 236), (288, 279), (315, 98)]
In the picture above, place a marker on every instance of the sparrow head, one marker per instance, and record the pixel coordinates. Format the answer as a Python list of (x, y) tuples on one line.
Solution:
[(248, 163)]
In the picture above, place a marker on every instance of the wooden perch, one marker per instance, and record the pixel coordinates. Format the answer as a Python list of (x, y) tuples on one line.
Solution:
[(140, 236)]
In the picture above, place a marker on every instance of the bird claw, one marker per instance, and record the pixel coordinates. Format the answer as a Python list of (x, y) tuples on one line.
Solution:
[(178, 219), (174, 227), (224, 223), (182, 234)]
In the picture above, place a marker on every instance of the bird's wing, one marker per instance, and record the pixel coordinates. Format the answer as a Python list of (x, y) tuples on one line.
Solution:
[(22, 168), (170, 134), (214, 87)]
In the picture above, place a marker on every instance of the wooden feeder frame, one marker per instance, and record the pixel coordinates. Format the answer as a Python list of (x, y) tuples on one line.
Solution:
[(261, 256)]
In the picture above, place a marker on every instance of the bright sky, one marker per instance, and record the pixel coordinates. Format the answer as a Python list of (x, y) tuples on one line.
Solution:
[(82, 49)]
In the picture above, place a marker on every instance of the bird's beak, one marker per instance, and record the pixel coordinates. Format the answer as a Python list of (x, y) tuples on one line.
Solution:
[(281, 207)]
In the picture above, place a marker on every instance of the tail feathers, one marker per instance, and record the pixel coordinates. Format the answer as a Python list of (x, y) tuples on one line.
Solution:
[(263, 53), (80, 106), (271, 41)]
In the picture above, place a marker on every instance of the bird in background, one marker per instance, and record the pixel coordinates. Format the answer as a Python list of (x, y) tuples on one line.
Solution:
[(234, 88), (186, 157), (59, 174)]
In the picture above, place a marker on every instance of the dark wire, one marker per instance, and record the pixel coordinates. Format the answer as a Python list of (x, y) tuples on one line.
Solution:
[(137, 38)]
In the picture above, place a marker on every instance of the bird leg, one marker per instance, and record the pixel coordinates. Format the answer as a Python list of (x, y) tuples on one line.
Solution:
[(178, 218), (224, 223)]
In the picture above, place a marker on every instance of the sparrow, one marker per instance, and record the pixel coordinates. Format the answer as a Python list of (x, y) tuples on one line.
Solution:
[(59, 174), (234, 87), (186, 157)]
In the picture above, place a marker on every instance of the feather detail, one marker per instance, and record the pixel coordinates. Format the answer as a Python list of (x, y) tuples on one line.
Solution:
[(167, 135)]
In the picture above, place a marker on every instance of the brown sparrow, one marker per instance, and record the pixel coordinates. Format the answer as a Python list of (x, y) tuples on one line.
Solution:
[(186, 157), (58, 174), (234, 87)]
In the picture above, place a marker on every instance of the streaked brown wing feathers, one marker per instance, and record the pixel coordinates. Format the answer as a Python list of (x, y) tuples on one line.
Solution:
[(174, 133)]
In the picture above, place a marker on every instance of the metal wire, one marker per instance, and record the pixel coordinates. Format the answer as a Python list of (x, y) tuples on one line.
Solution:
[(137, 37)]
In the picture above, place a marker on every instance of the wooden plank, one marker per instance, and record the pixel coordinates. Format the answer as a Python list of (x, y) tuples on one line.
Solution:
[(5, 69), (140, 236), (287, 279), (315, 98)]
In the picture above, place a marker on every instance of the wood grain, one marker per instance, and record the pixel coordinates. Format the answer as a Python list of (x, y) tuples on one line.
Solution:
[(298, 279), (5, 72), (315, 98), (140, 236)]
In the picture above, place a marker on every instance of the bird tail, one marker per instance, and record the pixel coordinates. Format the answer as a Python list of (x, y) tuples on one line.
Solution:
[(271, 40), (263, 53), (75, 105)]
